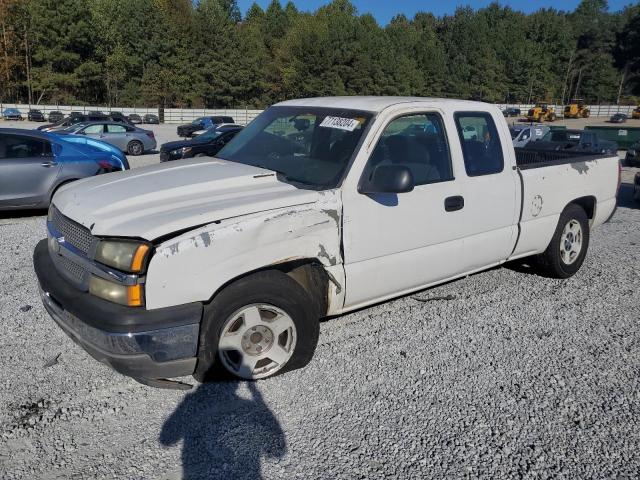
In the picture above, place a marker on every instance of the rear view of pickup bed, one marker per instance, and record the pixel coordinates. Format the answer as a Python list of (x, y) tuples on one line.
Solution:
[(319, 207)]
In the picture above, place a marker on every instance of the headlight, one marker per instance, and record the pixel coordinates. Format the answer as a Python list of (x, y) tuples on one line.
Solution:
[(180, 151), (130, 296), (126, 255)]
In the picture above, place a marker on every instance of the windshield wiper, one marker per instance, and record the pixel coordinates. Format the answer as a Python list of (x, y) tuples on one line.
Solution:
[(284, 176)]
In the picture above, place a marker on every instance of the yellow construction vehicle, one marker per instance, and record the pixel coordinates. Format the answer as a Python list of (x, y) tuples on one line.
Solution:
[(576, 109), (636, 113), (541, 113)]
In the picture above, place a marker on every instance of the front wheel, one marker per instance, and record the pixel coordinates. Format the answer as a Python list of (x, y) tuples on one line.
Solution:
[(257, 327), (566, 252)]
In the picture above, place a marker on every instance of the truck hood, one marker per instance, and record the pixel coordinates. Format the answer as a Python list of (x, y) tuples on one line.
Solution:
[(154, 201)]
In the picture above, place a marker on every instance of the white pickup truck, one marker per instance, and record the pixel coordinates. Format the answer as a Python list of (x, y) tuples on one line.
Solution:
[(223, 266)]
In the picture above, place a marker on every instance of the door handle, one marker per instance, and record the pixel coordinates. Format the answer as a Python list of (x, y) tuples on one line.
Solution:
[(451, 204), (49, 164)]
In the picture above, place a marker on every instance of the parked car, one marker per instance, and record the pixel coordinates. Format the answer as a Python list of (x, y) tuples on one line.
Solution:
[(523, 134), (618, 118), (72, 120), (205, 145), (197, 133), (150, 118), (511, 112), (118, 117), (135, 119), (632, 157), (12, 114), (97, 113), (35, 116), (55, 116), (34, 165), (583, 141), (129, 139), (224, 267), (201, 123)]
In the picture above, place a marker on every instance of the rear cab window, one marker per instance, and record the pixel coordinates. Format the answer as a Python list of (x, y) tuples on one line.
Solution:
[(481, 147)]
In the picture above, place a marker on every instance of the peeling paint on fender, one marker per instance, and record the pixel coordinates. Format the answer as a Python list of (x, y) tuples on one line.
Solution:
[(194, 265)]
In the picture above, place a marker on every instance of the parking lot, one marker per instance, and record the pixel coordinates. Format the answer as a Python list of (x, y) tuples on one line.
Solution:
[(501, 374)]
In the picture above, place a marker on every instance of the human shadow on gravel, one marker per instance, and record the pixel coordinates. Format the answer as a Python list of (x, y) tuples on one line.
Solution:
[(224, 435)]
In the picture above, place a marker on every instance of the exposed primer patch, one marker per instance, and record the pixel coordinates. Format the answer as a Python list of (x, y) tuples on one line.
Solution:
[(322, 253), (580, 167), (206, 238), (333, 214)]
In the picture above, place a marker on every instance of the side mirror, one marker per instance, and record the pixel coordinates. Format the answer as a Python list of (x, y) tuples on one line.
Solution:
[(388, 179)]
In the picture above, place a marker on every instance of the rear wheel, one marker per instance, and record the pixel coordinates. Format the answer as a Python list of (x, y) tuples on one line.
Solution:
[(257, 327), (135, 147), (566, 252)]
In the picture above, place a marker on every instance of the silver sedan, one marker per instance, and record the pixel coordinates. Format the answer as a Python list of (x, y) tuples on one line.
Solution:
[(129, 139)]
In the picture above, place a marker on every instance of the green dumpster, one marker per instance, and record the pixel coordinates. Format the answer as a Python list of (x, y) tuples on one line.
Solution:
[(624, 136)]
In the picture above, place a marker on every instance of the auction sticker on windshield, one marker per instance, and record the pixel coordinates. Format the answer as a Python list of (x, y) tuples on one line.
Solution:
[(348, 124)]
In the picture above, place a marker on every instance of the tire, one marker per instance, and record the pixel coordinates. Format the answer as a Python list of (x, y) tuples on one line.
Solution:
[(135, 147), (586, 113), (566, 253), (279, 301)]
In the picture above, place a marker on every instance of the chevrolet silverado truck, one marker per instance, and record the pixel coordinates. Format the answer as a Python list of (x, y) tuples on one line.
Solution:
[(222, 267)]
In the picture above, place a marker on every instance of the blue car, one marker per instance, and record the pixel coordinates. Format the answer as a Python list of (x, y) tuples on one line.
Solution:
[(35, 164), (12, 114)]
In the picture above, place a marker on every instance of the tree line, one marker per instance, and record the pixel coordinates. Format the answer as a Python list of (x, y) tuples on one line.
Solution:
[(184, 53)]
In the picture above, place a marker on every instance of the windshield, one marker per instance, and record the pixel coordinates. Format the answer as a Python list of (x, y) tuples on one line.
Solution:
[(308, 146)]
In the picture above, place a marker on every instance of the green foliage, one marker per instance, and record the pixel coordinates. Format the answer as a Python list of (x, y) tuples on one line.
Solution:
[(203, 54)]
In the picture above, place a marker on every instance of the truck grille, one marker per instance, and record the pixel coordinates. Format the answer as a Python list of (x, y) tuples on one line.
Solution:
[(73, 233), (74, 271)]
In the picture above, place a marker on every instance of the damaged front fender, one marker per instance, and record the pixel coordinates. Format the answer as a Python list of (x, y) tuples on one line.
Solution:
[(196, 264)]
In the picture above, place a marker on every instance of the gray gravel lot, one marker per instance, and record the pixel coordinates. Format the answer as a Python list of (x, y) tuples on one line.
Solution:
[(501, 374)]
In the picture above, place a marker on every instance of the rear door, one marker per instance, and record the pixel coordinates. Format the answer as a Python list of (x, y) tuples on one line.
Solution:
[(490, 188), (28, 170), (116, 135)]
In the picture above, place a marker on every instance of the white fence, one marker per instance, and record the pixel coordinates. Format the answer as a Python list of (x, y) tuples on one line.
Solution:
[(596, 110), (171, 115), (244, 116)]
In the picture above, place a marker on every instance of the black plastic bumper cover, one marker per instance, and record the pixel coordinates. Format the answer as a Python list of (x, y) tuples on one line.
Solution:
[(136, 342)]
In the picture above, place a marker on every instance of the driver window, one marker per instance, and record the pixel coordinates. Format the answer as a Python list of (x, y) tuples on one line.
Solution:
[(419, 143), (93, 129)]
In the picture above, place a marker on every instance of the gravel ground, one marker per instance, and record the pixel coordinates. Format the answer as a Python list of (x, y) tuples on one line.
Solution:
[(501, 374)]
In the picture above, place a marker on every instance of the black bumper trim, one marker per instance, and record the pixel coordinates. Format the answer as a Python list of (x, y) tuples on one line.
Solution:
[(102, 314)]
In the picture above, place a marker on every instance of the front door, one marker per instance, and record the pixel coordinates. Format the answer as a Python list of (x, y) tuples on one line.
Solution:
[(394, 243), (28, 170)]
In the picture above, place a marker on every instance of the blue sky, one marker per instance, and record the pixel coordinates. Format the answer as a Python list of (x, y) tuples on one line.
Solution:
[(384, 10)]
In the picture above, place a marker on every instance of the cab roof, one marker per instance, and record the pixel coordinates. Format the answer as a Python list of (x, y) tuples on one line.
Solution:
[(377, 104)]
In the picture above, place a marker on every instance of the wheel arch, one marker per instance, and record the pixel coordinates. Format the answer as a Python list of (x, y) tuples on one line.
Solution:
[(309, 273), (588, 204)]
